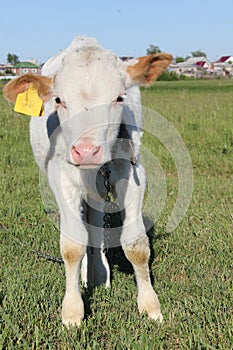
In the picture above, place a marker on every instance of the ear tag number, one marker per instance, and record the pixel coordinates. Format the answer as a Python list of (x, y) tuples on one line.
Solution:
[(29, 103)]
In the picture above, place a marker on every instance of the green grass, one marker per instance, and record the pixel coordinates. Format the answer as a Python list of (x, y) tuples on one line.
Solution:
[(191, 267)]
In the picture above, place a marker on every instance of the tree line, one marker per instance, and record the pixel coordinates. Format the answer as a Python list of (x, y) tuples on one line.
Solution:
[(152, 49)]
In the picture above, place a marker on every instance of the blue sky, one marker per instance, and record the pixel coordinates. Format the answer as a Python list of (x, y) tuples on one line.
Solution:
[(40, 29)]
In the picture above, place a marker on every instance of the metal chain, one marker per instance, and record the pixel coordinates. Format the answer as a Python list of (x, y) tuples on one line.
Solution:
[(54, 259), (105, 172)]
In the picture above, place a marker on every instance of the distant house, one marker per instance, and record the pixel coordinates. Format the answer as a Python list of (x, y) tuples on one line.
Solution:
[(195, 60), (25, 68), (182, 68), (192, 67), (6, 69), (225, 59), (223, 69)]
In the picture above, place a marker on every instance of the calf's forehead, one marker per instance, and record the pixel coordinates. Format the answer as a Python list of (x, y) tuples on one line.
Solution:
[(91, 73)]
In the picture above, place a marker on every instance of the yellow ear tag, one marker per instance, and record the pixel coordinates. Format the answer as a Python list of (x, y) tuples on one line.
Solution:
[(29, 103)]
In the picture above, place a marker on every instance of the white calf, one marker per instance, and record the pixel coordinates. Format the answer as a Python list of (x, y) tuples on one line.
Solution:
[(91, 102)]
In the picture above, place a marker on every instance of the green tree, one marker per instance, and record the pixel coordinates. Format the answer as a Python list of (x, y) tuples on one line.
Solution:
[(180, 59), (152, 49), (12, 58), (198, 53)]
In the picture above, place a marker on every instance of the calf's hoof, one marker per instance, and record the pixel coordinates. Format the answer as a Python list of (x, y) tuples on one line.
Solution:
[(156, 315), (149, 303), (153, 313), (72, 311)]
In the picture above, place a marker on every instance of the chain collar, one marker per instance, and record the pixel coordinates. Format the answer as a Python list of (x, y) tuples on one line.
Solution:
[(105, 172), (110, 205)]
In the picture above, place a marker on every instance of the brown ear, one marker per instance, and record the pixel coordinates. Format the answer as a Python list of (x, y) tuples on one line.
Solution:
[(148, 68), (42, 84)]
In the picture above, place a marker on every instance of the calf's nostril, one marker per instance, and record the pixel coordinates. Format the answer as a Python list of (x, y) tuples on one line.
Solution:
[(96, 150), (74, 149)]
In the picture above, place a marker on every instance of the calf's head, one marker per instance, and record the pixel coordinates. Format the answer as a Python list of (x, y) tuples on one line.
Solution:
[(88, 93)]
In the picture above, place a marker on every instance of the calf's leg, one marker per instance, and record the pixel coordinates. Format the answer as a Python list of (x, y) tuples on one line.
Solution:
[(72, 306), (138, 254), (135, 243), (74, 236)]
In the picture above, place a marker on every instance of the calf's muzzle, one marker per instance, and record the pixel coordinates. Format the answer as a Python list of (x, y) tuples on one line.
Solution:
[(87, 154)]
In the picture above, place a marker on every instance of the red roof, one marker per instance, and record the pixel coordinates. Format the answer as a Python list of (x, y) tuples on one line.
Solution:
[(223, 59), (200, 63)]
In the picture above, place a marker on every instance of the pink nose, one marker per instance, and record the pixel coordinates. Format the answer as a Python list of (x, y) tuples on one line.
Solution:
[(86, 153)]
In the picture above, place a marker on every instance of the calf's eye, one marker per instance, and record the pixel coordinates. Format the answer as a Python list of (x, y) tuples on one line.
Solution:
[(120, 99), (58, 100)]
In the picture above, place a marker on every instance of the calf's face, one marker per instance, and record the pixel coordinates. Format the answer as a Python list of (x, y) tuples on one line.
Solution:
[(88, 94), (90, 90)]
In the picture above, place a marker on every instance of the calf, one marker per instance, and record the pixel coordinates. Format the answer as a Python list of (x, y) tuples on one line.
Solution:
[(92, 117)]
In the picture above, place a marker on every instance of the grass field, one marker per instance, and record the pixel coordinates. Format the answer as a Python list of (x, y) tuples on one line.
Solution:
[(191, 267)]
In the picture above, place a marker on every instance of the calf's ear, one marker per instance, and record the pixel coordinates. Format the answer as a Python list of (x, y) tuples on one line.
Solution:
[(148, 68), (19, 85)]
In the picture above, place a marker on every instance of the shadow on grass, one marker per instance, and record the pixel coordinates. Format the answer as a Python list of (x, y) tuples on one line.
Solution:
[(117, 259)]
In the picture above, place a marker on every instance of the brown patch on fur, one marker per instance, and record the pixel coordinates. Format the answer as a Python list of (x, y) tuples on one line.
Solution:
[(42, 84), (148, 68), (73, 253), (137, 255)]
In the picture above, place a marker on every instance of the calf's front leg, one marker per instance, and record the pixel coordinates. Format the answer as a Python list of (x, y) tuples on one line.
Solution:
[(135, 242), (72, 306), (138, 254), (74, 236)]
